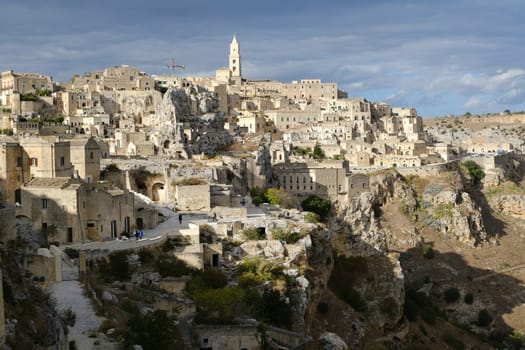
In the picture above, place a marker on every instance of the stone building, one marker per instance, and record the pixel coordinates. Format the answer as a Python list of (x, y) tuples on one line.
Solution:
[(117, 78), (14, 85), (79, 211), (309, 89), (289, 119), (14, 170), (48, 156), (325, 179), (235, 62), (85, 158)]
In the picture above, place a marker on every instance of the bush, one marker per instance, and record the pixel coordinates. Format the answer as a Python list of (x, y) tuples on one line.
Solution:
[(274, 309), (469, 298), (219, 305), (252, 234), (290, 236), (170, 266), (317, 205), (451, 295), (117, 269), (258, 196), (474, 170), (318, 153), (427, 250), (484, 318), (311, 218), (280, 197), (155, 331), (71, 253), (213, 278), (418, 304)]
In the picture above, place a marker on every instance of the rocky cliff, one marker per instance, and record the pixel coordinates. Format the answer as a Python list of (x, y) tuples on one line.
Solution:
[(186, 122)]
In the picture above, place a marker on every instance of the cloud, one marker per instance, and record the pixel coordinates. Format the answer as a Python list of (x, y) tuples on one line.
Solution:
[(436, 56)]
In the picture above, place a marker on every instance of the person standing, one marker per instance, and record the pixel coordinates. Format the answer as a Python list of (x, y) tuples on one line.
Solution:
[(180, 218)]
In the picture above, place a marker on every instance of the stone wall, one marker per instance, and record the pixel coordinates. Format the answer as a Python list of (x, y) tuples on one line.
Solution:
[(7, 223), (429, 170), (47, 264), (232, 337), (193, 198)]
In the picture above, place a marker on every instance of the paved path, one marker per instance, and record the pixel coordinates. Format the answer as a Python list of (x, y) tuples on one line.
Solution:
[(169, 227), (70, 294)]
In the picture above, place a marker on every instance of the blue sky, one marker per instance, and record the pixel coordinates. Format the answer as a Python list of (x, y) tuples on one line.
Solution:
[(442, 57)]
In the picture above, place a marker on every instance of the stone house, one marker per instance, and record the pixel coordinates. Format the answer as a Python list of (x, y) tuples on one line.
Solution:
[(79, 211), (13, 85), (325, 179), (49, 156), (85, 157), (14, 169), (115, 78)]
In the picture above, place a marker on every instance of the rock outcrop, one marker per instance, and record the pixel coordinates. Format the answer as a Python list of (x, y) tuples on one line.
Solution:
[(331, 341), (454, 213), (186, 122), (362, 214)]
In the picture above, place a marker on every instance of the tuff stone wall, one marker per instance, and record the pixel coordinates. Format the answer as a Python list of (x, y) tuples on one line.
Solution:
[(193, 198)]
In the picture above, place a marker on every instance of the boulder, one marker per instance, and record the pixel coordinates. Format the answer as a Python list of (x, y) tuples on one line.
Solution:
[(331, 341)]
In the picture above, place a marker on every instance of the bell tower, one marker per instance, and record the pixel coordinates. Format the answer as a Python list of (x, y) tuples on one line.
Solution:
[(235, 58)]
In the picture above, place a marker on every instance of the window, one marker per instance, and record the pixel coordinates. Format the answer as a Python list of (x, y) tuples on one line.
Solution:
[(62, 161), (19, 161), (18, 196), (91, 155), (34, 162), (44, 203)]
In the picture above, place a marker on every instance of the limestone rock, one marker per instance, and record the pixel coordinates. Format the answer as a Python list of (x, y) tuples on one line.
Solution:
[(510, 204), (267, 249), (109, 297), (186, 122), (455, 215), (331, 341)]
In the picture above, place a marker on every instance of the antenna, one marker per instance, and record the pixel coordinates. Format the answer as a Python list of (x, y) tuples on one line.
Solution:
[(174, 66)]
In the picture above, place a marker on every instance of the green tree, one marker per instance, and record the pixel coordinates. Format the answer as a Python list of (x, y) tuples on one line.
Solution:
[(280, 197), (474, 170), (155, 331), (317, 205), (318, 152), (258, 196), (219, 305)]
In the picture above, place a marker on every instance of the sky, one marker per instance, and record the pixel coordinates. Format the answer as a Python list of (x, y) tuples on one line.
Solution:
[(441, 57)]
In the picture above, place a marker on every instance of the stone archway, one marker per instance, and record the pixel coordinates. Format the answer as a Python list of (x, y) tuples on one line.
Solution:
[(158, 193)]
